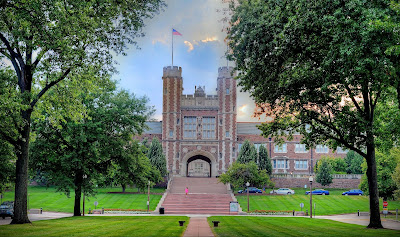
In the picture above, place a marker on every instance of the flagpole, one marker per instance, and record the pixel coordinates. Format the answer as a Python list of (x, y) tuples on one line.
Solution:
[(172, 36)]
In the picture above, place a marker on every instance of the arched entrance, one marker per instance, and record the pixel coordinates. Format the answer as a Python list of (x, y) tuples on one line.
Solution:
[(199, 156), (198, 166)]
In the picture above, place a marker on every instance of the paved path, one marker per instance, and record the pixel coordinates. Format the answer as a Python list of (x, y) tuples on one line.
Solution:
[(38, 217), (362, 220), (198, 226)]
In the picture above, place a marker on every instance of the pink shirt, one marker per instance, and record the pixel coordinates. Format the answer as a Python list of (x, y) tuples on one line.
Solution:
[(186, 190)]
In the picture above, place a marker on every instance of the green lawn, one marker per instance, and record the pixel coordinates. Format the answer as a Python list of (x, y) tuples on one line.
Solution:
[(100, 226), (50, 200), (331, 204), (290, 226)]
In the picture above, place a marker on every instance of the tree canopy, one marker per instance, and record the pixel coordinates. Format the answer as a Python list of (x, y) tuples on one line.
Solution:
[(239, 174), (47, 42), (320, 69), (324, 172), (264, 161), (157, 157), (247, 152), (76, 153)]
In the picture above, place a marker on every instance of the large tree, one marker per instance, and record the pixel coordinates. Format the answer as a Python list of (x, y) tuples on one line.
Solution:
[(353, 161), (74, 154), (157, 157), (50, 41), (247, 153), (320, 68)]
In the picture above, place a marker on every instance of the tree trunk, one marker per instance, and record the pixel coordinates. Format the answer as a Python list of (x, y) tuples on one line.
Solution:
[(21, 179), (78, 193), (375, 217), (123, 187)]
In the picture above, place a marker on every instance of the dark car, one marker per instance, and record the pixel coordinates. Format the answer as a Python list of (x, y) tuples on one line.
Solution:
[(319, 192), (251, 190), (353, 192), (7, 209)]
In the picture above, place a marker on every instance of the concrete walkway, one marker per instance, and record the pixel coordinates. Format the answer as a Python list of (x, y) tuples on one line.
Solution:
[(198, 226), (38, 217), (362, 220)]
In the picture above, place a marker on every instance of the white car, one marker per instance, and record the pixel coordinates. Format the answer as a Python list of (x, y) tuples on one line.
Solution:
[(283, 191)]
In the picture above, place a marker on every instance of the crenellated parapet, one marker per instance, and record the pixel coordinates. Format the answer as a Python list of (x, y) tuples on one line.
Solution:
[(226, 72), (172, 71)]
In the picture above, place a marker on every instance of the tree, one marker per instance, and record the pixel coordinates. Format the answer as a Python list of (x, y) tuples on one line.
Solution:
[(396, 179), (319, 69), (353, 161), (157, 157), (264, 162), (49, 42), (239, 174), (133, 168), (247, 153), (324, 172), (386, 165), (76, 153)]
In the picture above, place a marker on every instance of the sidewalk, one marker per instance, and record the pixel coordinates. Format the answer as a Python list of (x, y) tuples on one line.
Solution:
[(38, 217), (198, 226), (361, 220)]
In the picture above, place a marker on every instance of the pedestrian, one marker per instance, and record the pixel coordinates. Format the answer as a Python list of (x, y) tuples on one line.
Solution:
[(186, 191)]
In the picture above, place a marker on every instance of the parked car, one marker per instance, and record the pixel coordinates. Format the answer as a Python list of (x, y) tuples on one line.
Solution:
[(7, 209), (282, 191), (319, 192), (251, 190), (353, 192)]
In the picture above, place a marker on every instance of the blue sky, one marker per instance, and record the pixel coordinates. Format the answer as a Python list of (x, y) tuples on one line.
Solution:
[(199, 51)]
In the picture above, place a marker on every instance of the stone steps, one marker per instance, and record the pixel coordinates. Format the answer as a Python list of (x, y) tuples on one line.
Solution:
[(206, 196)]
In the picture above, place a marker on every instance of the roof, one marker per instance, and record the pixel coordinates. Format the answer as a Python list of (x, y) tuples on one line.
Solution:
[(154, 127), (248, 128)]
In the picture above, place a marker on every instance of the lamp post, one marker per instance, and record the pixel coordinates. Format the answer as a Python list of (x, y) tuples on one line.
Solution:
[(248, 203), (311, 180), (148, 197)]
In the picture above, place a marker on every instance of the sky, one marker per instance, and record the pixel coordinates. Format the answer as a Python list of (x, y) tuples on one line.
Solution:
[(199, 51)]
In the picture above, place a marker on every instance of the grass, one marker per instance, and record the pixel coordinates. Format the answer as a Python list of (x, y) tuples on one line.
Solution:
[(50, 200), (290, 226), (100, 226), (331, 204)]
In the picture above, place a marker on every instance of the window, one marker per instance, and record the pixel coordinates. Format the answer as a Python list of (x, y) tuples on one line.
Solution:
[(220, 155), (189, 127), (227, 91), (171, 133), (220, 121), (280, 164), (257, 145), (227, 134), (322, 149), (177, 121), (165, 90), (281, 148), (239, 146), (208, 127), (301, 164), (300, 148), (233, 151), (340, 150)]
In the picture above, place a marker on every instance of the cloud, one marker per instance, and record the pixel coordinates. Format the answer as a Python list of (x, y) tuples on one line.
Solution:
[(190, 45), (209, 39)]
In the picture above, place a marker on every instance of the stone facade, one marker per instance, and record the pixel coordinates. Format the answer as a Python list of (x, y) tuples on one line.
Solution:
[(203, 129)]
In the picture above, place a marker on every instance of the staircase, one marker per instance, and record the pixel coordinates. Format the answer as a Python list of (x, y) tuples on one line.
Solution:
[(206, 196)]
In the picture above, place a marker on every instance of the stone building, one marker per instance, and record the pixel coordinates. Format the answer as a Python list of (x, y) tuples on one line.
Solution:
[(201, 137)]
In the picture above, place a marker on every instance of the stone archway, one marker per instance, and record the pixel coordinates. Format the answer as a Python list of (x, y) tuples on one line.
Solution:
[(202, 166), (199, 155)]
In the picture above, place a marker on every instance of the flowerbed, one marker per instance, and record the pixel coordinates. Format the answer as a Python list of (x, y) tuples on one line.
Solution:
[(125, 211), (270, 212)]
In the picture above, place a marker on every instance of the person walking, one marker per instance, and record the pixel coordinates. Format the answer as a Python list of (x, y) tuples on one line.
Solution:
[(186, 191)]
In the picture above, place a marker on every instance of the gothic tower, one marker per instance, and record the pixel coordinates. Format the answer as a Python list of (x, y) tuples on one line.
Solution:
[(226, 86), (171, 116)]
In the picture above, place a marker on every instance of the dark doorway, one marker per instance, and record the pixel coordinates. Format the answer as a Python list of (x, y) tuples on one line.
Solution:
[(198, 169)]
